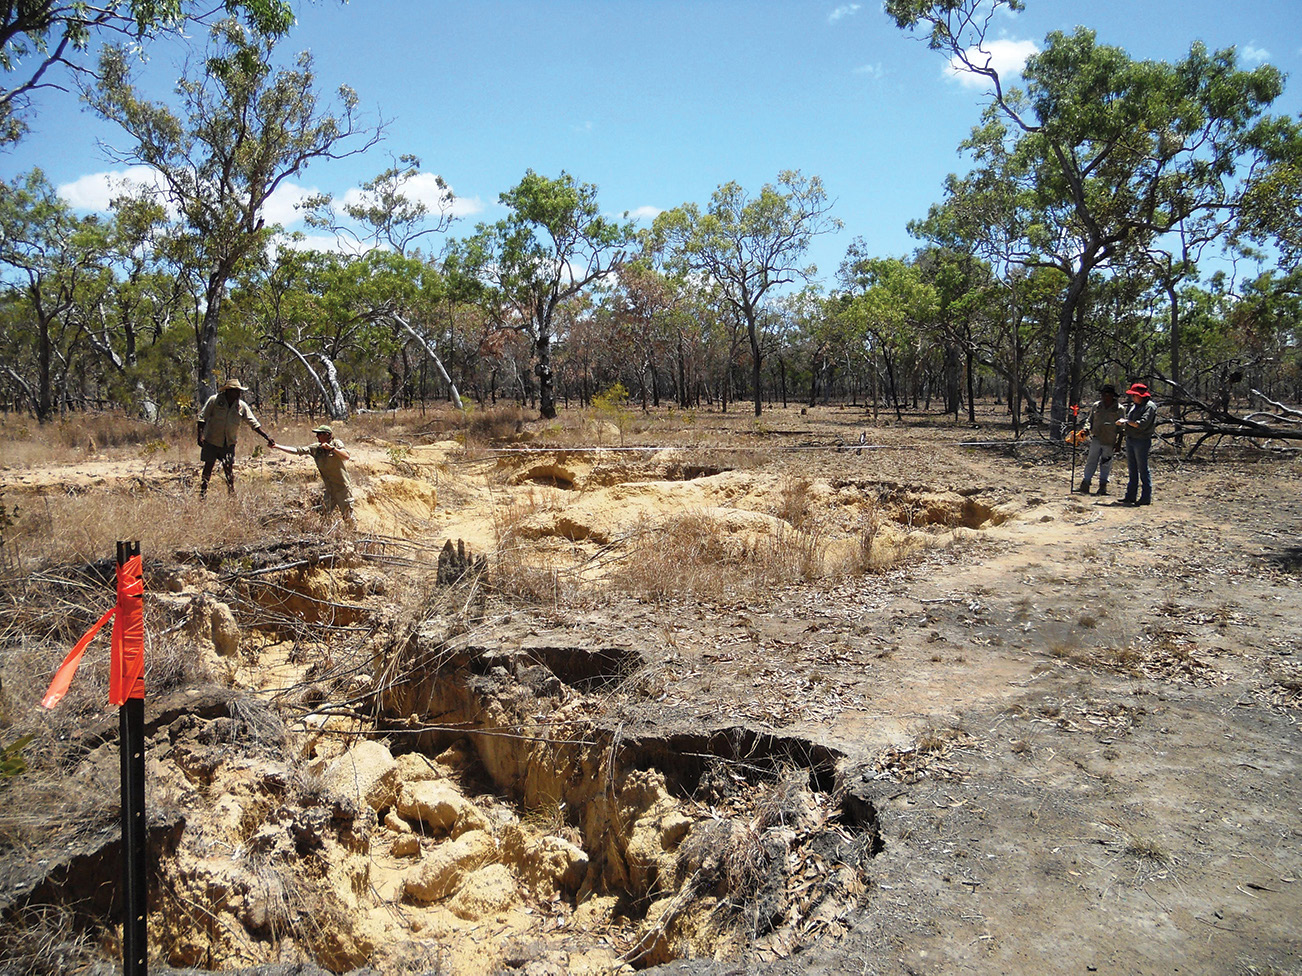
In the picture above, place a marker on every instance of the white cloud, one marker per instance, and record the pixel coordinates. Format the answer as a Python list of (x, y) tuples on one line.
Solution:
[(282, 206), (871, 70), (424, 188), (1006, 57), (95, 191), (845, 10), (338, 243), (1254, 55), (643, 213)]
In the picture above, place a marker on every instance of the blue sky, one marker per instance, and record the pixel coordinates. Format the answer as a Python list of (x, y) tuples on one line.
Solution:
[(657, 103)]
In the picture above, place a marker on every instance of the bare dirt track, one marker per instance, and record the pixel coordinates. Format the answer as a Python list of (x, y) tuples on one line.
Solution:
[(1069, 728)]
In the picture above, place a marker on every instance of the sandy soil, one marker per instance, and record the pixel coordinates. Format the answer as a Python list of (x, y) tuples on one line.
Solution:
[(1078, 721)]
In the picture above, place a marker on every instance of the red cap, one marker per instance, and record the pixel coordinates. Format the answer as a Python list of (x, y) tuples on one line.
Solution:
[(1138, 390)]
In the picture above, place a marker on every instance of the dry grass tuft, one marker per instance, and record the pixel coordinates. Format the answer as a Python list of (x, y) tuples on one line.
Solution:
[(796, 503), (688, 556), (64, 529), (47, 941), (1147, 849), (77, 437)]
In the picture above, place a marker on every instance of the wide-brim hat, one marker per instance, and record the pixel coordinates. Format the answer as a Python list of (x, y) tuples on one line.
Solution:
[(1108, 388), (234, 385), (1138, 390), (323, 429)]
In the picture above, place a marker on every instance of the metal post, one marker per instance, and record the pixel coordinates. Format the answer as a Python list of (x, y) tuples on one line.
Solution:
[(1075, 443), (131, 717)]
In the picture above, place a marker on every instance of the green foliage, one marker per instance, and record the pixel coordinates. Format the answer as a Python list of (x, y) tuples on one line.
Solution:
[(611, 405), (554, 244), (400, 458), (611, 399), (745, 245), (236, 131), (40, 34), (12, 762)]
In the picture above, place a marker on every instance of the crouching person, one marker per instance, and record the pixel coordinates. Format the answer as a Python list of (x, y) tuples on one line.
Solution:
[(330, 458)]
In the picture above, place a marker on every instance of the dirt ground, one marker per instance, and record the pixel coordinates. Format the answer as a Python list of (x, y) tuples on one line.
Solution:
[(1076, 723)]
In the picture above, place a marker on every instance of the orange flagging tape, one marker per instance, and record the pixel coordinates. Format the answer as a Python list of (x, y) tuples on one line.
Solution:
[(63, 677), (127, 664), (127, 667)]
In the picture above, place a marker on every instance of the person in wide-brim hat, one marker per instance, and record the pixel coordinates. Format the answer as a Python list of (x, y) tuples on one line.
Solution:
[(219, 426), (1104, 438)]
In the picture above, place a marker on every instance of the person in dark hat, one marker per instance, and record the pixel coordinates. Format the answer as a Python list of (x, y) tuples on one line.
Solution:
[(219, 425), (1104, 437), (1138, 425), (329, 454)]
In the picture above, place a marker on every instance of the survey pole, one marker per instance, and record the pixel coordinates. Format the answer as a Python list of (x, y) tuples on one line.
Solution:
[(131, 716)]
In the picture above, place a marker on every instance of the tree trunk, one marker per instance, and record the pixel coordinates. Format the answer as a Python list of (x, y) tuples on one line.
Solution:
[(952, 399), (543, 370), (971, 393), (1177, 409), (335, 408), (752, 330), (1061, 351), (44, 399), (438, 363), (206, 340)]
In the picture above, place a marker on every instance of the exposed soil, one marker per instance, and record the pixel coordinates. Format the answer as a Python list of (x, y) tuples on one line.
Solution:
[(993, 727)]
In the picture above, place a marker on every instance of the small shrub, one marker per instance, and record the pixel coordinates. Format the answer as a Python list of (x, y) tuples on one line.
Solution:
[(611, 405)]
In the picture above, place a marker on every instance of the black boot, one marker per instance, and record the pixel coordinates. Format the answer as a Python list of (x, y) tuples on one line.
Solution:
[(1084, 488), (1103, 487)]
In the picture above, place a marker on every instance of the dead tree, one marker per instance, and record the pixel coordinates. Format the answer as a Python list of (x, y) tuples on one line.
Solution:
[(1264, 429)]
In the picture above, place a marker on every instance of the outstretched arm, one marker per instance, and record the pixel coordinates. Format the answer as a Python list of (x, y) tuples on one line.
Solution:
[(282, 447)]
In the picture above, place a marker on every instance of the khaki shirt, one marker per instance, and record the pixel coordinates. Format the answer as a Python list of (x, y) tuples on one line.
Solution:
[(221, 420), (1103, 422), (332, 469)]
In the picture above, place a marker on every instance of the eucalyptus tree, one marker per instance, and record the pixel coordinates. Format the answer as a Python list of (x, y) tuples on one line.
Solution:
[(985, 217), (553, 245), (39, 37), (647, 302), (963, 284), (799, 328), (245, 129), (1122, 150), (887, 306), (394, 209), (289, 303), (1272, 202), (50, 254), (748, 245)]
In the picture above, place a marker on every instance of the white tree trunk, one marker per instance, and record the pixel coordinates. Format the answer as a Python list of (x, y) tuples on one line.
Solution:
[(429, 351), (336, 406)]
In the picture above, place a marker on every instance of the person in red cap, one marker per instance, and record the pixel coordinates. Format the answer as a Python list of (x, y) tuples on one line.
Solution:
[(1138, 424)]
